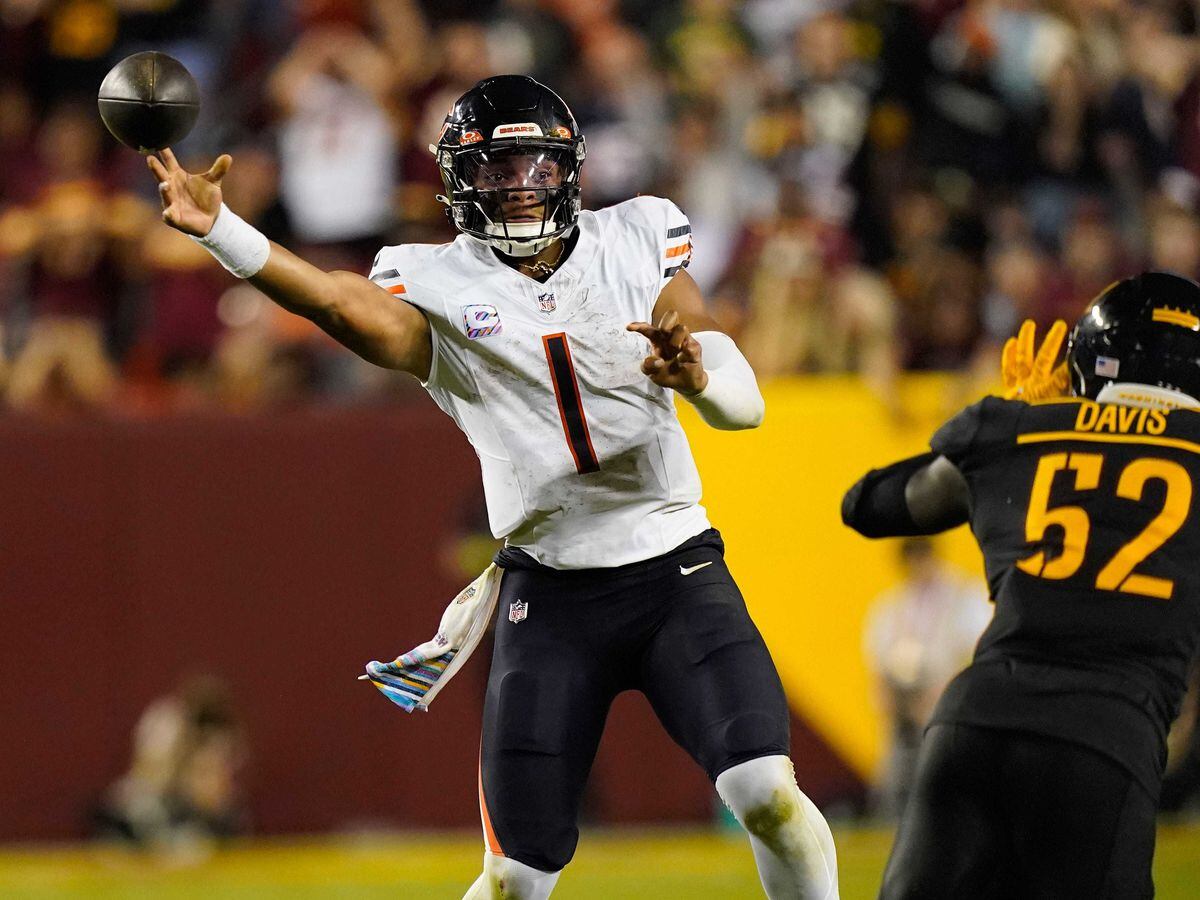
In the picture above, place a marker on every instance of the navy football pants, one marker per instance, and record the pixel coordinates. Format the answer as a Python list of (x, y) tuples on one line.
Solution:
[(674, 627)]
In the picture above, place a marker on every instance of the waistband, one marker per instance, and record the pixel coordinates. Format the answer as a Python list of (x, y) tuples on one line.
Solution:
[(516, 559)]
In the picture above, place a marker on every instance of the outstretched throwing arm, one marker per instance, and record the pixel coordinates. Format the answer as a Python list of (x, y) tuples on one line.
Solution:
[(354, 311)]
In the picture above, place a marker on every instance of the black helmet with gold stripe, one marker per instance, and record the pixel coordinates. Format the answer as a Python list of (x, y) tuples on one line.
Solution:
[(1144, 330)]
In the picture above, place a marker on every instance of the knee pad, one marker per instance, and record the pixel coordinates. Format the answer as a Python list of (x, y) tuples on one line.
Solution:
[(764, 796), (760, 789), (507, 879)]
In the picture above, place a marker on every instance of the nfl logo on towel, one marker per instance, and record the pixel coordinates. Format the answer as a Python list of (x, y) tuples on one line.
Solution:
[(517, 612), (481, 320), (546, 303), (1107, 367)]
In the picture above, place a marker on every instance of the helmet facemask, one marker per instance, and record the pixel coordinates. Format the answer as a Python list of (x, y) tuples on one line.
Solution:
[(518, 197)]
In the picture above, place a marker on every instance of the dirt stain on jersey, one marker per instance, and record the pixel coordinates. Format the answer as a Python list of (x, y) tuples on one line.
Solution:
[(608, 355)]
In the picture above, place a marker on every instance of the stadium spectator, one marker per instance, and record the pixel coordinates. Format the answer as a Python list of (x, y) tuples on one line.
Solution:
[(181, 790), (338, 142), (18, 172), (1175, 241), (918, 635), (622, 106), (181, 329), (719, 187), (1091, 259), (522, 37), (461, 57), (810, 309), (1017, 278), (937, 284), (967, 126), (833, 90), (71, 243)]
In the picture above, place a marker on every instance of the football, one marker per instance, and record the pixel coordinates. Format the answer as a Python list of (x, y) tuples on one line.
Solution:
[(149, 101)]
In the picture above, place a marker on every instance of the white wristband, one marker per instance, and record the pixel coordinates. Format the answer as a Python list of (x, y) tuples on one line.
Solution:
[(237, 245), (731, 400)]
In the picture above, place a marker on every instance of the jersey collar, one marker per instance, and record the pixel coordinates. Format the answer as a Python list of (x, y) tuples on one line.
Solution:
[(573, 267)]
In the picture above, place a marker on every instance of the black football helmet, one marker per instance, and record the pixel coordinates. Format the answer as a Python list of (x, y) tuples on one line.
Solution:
[(510, 153), (1143, 330)]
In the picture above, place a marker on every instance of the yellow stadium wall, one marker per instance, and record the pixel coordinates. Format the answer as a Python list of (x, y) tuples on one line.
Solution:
[(775, 493)]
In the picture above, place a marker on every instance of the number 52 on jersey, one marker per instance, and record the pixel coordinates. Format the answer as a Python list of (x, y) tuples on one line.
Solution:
[(1119, 572)]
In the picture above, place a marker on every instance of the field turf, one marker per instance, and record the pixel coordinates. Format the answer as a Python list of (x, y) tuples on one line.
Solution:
[(614, 865)]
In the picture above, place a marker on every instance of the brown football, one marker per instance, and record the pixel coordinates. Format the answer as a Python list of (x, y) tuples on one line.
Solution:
[(149, 101)]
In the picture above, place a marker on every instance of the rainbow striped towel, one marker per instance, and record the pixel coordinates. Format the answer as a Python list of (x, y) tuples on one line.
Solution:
[(413, 679)]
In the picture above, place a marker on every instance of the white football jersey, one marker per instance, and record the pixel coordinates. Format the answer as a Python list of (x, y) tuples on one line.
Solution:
[(584, 461)]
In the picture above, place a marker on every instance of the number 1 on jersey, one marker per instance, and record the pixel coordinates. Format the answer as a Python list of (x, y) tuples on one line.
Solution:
[(570, 404)]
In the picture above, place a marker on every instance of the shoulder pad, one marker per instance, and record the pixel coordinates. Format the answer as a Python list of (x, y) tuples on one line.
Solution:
[(665, 227)]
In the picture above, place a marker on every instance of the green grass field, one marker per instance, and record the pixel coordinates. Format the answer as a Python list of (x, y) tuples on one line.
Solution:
[(618, 865)]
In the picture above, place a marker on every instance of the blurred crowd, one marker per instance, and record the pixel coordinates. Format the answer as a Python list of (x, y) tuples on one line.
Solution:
[(874, 186)]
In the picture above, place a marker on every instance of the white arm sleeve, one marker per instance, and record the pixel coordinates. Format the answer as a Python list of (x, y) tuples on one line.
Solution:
[(731, 401)]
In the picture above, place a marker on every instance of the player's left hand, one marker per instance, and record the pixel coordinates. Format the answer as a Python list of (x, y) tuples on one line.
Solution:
[(1033, 376), (674, 361)]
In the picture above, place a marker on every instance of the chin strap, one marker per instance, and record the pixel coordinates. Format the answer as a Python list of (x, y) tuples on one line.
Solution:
[(519, 249), (512, 248), (508, 239)]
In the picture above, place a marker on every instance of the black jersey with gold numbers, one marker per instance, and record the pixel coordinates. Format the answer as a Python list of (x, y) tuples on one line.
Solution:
[(1086, 516)]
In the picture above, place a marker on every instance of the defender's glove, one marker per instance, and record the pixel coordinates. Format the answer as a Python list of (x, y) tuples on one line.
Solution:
[(413, 679), (1033, 376)]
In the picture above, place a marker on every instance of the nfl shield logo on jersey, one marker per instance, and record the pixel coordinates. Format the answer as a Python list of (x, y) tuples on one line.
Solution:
[(480, 320), (546, 303), (517, 612)]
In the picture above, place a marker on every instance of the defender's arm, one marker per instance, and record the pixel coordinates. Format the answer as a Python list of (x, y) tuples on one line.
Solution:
[(353, 310), (923, 494), (690, 354)]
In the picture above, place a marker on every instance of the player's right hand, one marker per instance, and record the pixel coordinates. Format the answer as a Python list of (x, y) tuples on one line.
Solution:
[(190, 202), (1033, 376), (675, 359)]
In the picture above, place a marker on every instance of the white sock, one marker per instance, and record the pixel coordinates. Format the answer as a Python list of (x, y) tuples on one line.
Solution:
[(507, 879), (792, 844)]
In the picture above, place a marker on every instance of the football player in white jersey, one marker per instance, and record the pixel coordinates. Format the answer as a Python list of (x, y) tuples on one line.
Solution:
[(533, 331)]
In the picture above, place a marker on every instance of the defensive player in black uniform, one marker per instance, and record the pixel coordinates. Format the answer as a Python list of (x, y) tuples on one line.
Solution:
[(1040, 771)]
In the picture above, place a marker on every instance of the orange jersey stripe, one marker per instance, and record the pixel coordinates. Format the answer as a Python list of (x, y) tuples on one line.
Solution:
[(679, 251), (489, 835), (396, 289)]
